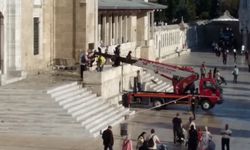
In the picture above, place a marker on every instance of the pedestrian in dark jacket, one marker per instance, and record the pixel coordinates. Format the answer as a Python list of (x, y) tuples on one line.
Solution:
[(193, 139), (108, 139), (193, 106), (176, 126)]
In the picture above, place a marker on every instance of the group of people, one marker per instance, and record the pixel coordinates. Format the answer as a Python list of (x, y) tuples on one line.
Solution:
[(87, 59), (189, 134), (217, 75), (196, 138), (144, 141)]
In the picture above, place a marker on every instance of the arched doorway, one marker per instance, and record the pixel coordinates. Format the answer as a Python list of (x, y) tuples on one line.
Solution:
[(1, 42)]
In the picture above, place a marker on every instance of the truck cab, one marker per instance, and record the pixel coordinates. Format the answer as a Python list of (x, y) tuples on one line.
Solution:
[(210, 93)]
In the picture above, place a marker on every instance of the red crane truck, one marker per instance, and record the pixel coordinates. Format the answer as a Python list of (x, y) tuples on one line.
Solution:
[(183, 79)]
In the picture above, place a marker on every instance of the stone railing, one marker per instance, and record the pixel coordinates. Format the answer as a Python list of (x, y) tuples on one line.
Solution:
[(168, 40)]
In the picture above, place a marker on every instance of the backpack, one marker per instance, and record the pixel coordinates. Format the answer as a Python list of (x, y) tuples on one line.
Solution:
[(83, 59), (151, 142)]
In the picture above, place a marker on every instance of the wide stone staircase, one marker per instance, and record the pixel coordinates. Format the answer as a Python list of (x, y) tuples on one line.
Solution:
[(92, 112), (26, 111), (39, 108), (153, 82)]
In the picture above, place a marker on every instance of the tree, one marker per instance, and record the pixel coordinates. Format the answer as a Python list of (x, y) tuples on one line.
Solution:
[(215, 10), (192, 10)]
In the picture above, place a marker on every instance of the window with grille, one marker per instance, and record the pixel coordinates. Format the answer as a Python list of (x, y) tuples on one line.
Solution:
[(36, 36)]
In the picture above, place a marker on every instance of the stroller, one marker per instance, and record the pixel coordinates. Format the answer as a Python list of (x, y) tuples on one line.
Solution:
[(162, 147), (181, 136)]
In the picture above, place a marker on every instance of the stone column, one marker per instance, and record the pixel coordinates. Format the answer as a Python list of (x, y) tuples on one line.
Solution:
[(125, 29), (99, 29), (129, 28), (120, 30), (103, 36), (116, 30), (1, 43), (110, 30), (152, 25)]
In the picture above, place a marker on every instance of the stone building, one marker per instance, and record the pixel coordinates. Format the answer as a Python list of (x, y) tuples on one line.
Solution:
[(34, 32), (244, 18)]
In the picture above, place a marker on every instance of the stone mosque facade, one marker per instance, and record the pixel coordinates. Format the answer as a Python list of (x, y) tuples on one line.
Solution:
[(35, 32)]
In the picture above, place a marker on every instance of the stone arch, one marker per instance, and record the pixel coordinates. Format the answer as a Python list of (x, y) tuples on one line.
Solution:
[(1, 40)]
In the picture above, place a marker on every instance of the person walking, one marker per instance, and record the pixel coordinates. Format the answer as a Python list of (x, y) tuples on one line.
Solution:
[(206, 137), (152, 141), (129, 55), (214, 72), (209, 74), (139, 81), (203, 70), (193, 139), (224, 57), (83, 63), (235, 73), (127, 144), (176, 126), (108, 139), (116, 58), (200, 133), (193, 106), (100, 61), (235, 55), (141, 142), (225, 140)]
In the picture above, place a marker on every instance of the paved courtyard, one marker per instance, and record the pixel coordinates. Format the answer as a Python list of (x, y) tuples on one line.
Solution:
[(235, 111)]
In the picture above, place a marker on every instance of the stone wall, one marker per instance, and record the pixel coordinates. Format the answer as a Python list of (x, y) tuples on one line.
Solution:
[(110, 83)]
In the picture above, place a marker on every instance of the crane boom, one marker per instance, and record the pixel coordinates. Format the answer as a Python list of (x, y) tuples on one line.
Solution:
[(181, 77)]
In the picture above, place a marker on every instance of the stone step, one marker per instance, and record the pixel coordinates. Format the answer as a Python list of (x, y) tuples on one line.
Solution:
[(95, 123), (97, 132), (69, 94), (26, 101), (86, 100), (33, 109), (63, 91), (76, 97), (99, 110), (88, 108), (86, 105), (161, 86), (22, 91), (111, 120), (162, 89), (60, 88), (154, 85), (36, 120), (97, 116), (148, 79), (170, 89)]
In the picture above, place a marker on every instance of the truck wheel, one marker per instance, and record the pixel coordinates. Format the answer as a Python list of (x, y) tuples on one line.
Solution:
[(206, 105)]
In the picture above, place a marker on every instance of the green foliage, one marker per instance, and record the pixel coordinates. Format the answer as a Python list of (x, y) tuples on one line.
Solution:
[(192, 10)]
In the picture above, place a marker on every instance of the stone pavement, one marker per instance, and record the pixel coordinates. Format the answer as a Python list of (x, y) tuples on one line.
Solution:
[(160, 120)]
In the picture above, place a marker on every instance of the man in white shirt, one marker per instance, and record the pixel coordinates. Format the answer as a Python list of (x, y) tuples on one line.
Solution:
[(154, 138), (235, 74), (225, 140)]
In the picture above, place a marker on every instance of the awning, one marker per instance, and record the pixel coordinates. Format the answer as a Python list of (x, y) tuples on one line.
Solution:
[(225, 17), (128, 5)]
